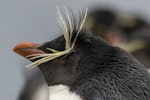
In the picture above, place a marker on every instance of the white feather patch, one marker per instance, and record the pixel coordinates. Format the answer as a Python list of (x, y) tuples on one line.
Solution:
[(62, 92)]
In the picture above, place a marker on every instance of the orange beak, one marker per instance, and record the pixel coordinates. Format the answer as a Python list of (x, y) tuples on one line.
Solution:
[(27, 48)]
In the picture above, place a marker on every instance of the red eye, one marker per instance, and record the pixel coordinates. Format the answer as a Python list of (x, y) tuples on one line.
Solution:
[(62, 61)]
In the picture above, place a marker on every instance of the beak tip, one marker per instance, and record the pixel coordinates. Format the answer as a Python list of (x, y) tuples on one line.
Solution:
[(15, 48)]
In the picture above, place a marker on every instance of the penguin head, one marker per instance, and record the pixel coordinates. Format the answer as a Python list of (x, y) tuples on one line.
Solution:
[(66, 68), (63, 59)]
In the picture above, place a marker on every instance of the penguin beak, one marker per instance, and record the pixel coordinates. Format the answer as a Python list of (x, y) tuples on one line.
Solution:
[(27, 48)]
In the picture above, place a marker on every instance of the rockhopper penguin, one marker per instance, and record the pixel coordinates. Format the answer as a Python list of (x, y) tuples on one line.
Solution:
[(81, 66)]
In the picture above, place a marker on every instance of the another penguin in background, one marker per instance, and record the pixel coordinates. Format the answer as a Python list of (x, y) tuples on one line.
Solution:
[(81, 66), (129, 32), (136, 33), (100, 21)]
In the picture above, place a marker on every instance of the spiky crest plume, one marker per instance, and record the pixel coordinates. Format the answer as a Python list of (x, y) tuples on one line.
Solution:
[(66, 23)]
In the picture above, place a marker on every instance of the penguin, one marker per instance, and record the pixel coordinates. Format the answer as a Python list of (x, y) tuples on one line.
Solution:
[(100, 20), (81, 66), (30, 90)]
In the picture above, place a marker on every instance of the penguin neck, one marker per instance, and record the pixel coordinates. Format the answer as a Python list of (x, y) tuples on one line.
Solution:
[(62, 92)]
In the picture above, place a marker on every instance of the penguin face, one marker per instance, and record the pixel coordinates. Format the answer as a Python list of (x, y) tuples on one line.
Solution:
[(64, 69)]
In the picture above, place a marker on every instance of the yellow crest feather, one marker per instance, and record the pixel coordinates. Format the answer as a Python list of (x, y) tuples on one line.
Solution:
[(43, 58)]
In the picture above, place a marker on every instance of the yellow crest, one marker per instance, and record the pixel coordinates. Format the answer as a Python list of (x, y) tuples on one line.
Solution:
[(68, 33)]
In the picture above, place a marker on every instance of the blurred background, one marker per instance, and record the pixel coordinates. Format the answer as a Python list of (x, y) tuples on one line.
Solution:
[(35, 21)]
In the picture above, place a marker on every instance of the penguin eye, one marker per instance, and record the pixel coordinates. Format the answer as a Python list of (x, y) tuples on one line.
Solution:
[(62, 61)]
